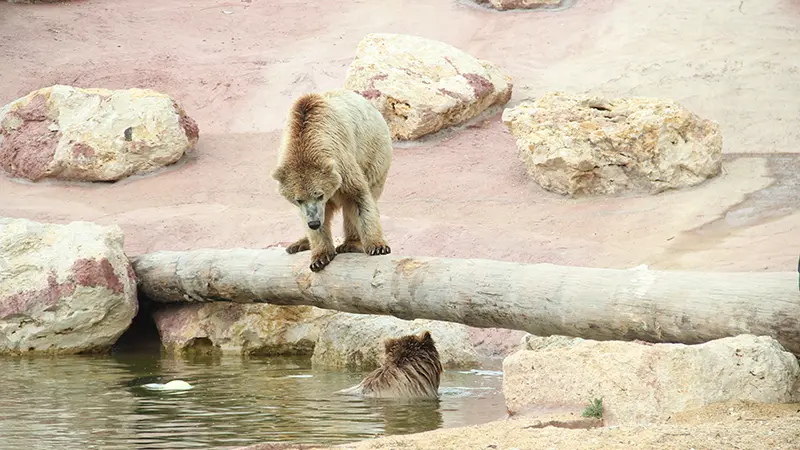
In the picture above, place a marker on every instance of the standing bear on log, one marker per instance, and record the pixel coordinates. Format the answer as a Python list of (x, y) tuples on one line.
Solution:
[(335, 153)]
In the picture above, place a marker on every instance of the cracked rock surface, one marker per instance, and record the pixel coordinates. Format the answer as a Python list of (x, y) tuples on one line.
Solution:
[(81, 134), (421, 85), (581, 145), (646, 383), (63, 288)]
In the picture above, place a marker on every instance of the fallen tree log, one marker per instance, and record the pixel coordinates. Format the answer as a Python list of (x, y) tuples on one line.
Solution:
[(542, 299)]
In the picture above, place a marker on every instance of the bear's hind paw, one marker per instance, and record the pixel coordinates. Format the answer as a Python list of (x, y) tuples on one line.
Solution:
[(300, 245)]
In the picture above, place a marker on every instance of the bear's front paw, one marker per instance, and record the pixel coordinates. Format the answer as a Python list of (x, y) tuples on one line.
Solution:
[(378, 249), (319, 262)]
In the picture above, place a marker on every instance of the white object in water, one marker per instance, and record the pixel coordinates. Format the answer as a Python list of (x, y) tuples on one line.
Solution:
[(486, 373), (174, 385)]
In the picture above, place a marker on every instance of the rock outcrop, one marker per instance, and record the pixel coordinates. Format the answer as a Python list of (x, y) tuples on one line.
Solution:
[(335, 339), (642, 383), (576, 145), (68, 133), (63, 288), (422, 86), (505, 5), (255, 329), (356, 341)]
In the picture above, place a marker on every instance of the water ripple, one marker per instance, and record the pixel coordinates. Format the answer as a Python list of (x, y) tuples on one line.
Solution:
[(99, 402)]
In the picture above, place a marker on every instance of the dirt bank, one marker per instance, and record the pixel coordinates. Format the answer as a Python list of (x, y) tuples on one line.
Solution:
[(739, 426)]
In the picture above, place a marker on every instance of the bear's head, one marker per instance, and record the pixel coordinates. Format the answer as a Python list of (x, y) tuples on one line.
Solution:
[(399, 351), (308, 186)]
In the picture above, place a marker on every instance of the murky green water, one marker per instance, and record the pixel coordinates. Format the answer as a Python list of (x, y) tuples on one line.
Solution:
[(99, 402)]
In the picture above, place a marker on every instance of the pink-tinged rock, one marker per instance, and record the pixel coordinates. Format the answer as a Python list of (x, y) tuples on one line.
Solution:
[(28, 151), (422, 86), (68, 133), (63, 288), (335, 339)]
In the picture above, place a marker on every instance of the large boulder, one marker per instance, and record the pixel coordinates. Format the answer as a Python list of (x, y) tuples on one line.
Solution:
[(63, 288), (356, 341), (69, 133), (641, 382), (422, 86), (254, 329), (573, 144)]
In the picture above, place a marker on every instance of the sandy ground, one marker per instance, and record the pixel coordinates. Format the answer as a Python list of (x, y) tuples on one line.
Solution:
[(236, 66), (733, 425), (728, 426), (463, 195)]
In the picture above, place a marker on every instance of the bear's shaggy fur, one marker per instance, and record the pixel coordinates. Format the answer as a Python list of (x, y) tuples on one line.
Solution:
[(335, 153), (411, 369)]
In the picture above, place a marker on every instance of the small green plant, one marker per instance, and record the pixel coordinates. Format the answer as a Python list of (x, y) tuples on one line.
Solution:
[(594, 409)]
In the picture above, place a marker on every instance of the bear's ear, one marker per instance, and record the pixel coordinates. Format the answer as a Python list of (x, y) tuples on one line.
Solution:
[(426, 337), (388, 345), (279, 174), (329, 166)]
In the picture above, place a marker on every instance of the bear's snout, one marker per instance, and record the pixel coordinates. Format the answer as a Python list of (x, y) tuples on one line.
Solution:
[(314, 224)]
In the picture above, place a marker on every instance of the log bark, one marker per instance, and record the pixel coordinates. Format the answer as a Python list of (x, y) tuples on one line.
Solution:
[(542, 299)]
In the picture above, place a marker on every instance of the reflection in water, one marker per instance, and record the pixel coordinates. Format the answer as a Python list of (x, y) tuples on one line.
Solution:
[(99, 402), (406, 416)]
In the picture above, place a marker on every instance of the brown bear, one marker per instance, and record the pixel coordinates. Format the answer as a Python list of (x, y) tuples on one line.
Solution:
[(335, 153), (411, 369)]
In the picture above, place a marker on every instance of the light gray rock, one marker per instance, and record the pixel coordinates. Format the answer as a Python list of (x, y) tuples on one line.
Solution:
[(641, 383), (356, 341), (581, 145), (63, 288)]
